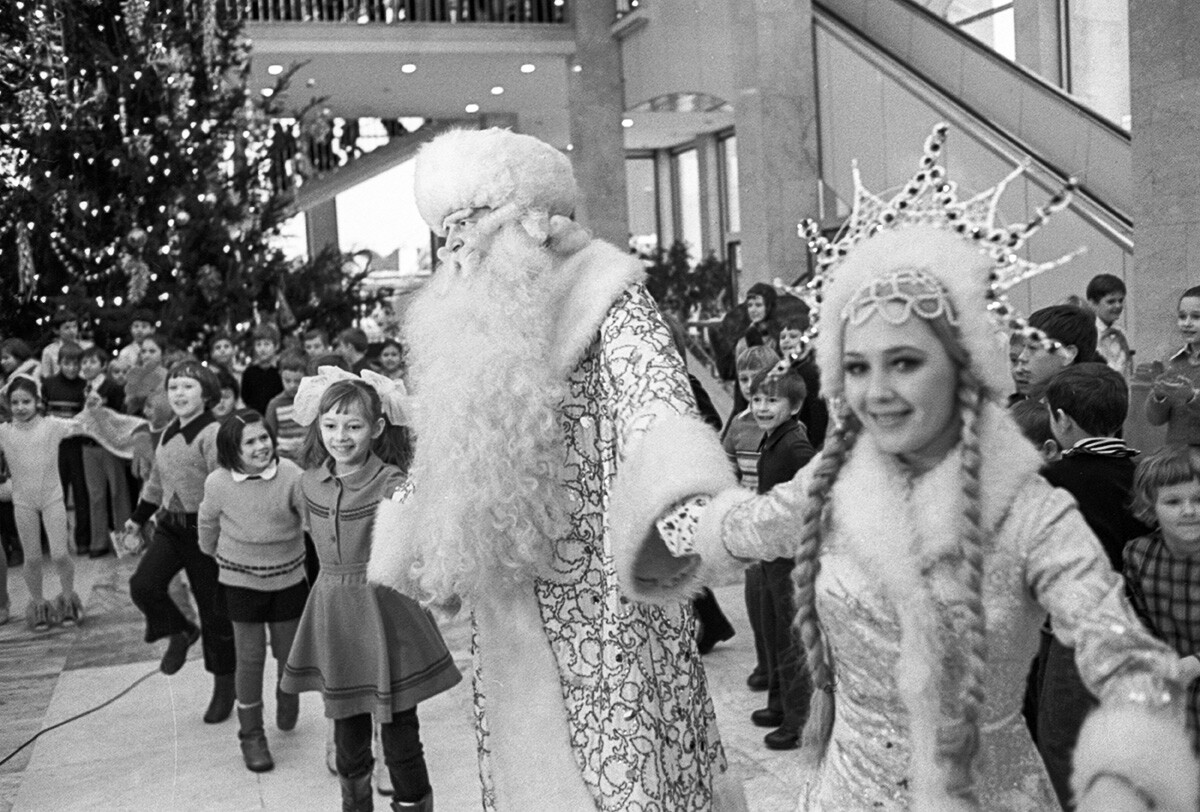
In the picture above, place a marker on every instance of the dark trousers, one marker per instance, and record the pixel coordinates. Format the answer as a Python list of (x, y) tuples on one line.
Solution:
[(8, 531), (174, 548), (74, 482), (754, 599), (1063, 703), (790, 685), (402, 751)]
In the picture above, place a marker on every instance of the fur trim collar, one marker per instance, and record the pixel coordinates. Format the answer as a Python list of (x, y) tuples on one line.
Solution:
[(897, 526), (595, 277)]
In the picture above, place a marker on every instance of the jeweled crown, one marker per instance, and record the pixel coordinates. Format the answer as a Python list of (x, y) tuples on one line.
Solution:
[(928, 198)]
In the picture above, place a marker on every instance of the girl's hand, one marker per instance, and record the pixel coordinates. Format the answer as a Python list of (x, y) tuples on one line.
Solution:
[(6, 490), (132, 527), (1189, 667), (1174, 388), (94, 401)]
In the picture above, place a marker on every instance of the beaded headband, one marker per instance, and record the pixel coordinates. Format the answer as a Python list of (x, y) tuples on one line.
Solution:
[(928, 198)]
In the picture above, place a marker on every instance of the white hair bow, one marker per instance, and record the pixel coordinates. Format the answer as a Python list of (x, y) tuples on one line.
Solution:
[(392, 394)]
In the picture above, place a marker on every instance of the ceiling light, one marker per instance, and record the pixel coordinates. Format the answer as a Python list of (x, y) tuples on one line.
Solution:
[(577, 68), (267, 92), (408, 67), (275, 70), (626, 123), (472, 108), (497, 90), (528, 67)]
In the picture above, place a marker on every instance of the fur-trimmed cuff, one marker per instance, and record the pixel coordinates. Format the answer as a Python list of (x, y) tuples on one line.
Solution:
[(678, 457), (1151, 750)]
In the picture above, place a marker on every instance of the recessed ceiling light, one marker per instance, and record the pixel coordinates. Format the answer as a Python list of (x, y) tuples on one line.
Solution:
[(528, 67), (577, 68), (275, 70), (626, 123), (570, 147), (408, 67), (472, 108), (268, 92), (497, 90)]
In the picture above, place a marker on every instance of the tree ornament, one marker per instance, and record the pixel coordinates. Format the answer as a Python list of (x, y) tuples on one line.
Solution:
[(182, 217), (136, 238)]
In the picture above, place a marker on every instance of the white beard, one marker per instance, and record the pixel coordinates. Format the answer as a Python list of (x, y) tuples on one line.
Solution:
[(489, 455)]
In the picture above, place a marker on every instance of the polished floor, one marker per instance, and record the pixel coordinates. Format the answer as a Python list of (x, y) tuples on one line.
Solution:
[(149, 749)]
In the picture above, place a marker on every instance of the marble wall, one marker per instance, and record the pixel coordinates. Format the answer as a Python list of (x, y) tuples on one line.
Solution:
[(1165, 83)]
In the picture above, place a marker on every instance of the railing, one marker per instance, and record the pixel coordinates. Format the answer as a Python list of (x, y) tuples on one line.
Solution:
[(402, 11)]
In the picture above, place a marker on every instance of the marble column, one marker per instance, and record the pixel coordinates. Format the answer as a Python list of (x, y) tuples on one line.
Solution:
[(775, 114), (1165, 82), (595, 107)]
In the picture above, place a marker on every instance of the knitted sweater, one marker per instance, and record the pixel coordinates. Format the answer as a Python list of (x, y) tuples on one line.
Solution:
[(183, 460), (252, 527), (288, 433)]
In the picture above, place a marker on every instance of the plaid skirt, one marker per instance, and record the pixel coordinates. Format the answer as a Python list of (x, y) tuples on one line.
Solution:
[(366, 648)]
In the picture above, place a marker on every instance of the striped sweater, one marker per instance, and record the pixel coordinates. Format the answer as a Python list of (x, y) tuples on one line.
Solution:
[(253, 528)]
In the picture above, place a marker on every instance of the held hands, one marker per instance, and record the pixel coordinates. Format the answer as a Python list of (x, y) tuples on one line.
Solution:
[(1175, 389), (132, 527)]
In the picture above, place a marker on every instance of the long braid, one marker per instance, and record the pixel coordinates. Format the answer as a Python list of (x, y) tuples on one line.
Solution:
[(808, 564), (958, 740)]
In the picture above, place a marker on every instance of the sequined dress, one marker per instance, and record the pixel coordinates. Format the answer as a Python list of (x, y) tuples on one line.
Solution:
[(888, 530)]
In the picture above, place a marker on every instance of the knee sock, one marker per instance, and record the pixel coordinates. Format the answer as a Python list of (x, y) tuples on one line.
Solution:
[(250, 644)]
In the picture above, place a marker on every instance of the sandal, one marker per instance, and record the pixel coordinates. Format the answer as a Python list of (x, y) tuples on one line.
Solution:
[(39, 615), (69, 608)]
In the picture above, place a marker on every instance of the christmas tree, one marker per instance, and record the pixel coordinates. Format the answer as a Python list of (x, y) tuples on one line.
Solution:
[(138, 169)]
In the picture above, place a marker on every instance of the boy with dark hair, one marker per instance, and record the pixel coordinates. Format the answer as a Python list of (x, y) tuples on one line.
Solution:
[(814, 414), (316, 342), (1106, 295), (288, 433), (352, 344), (1033, 420), (64, 394), (1070, 326), (1087, 404), (775, 401), (261, 381), (141, 325), (66, 331)]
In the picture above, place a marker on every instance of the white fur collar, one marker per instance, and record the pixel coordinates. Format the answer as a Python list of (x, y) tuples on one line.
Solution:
[(596, 275), (895, 525)]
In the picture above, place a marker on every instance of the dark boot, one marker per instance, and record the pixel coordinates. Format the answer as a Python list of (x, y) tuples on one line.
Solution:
[(287, 709), (254, 740), (177, 648), (423, 805), (223, 697), (356, 793)]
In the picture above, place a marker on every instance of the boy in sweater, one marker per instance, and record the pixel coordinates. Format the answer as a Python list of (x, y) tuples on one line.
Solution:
[(1088, 403), (103, 471), (784, 450), (288, 433), (64, 396)]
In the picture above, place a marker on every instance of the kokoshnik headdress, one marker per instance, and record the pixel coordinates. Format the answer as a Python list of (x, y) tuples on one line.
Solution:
[(924, 251)]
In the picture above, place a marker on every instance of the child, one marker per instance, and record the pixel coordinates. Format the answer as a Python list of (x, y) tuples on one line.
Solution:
[(30, 447), (391, 359), (292, 367), (140, 326), (1173, 395), (249, 522), (740, 441), (145, 383), (16, 358), (775, 401), (814, 414), (1106, 295), (370, 650), (261, 380), (352, 345), (1086, 404), (64, 394), (118, 373), (103, 471), (1162, 569), (66, 330), (186, 454), (230, 392), (1071, 327), (1033, 420), (316, 342), (221, 353)]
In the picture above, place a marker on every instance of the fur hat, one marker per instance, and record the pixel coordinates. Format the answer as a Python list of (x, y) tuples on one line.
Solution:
[(960, 267), (470, 169)]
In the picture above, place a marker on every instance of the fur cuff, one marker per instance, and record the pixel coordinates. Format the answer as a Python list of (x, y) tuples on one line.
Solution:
[(677, 458), (1151, 750)]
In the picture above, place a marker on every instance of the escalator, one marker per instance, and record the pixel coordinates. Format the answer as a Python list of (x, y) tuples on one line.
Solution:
[(888, 69)]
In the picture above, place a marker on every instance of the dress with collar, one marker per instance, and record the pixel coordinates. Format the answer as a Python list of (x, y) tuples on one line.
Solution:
[(365, 647)]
